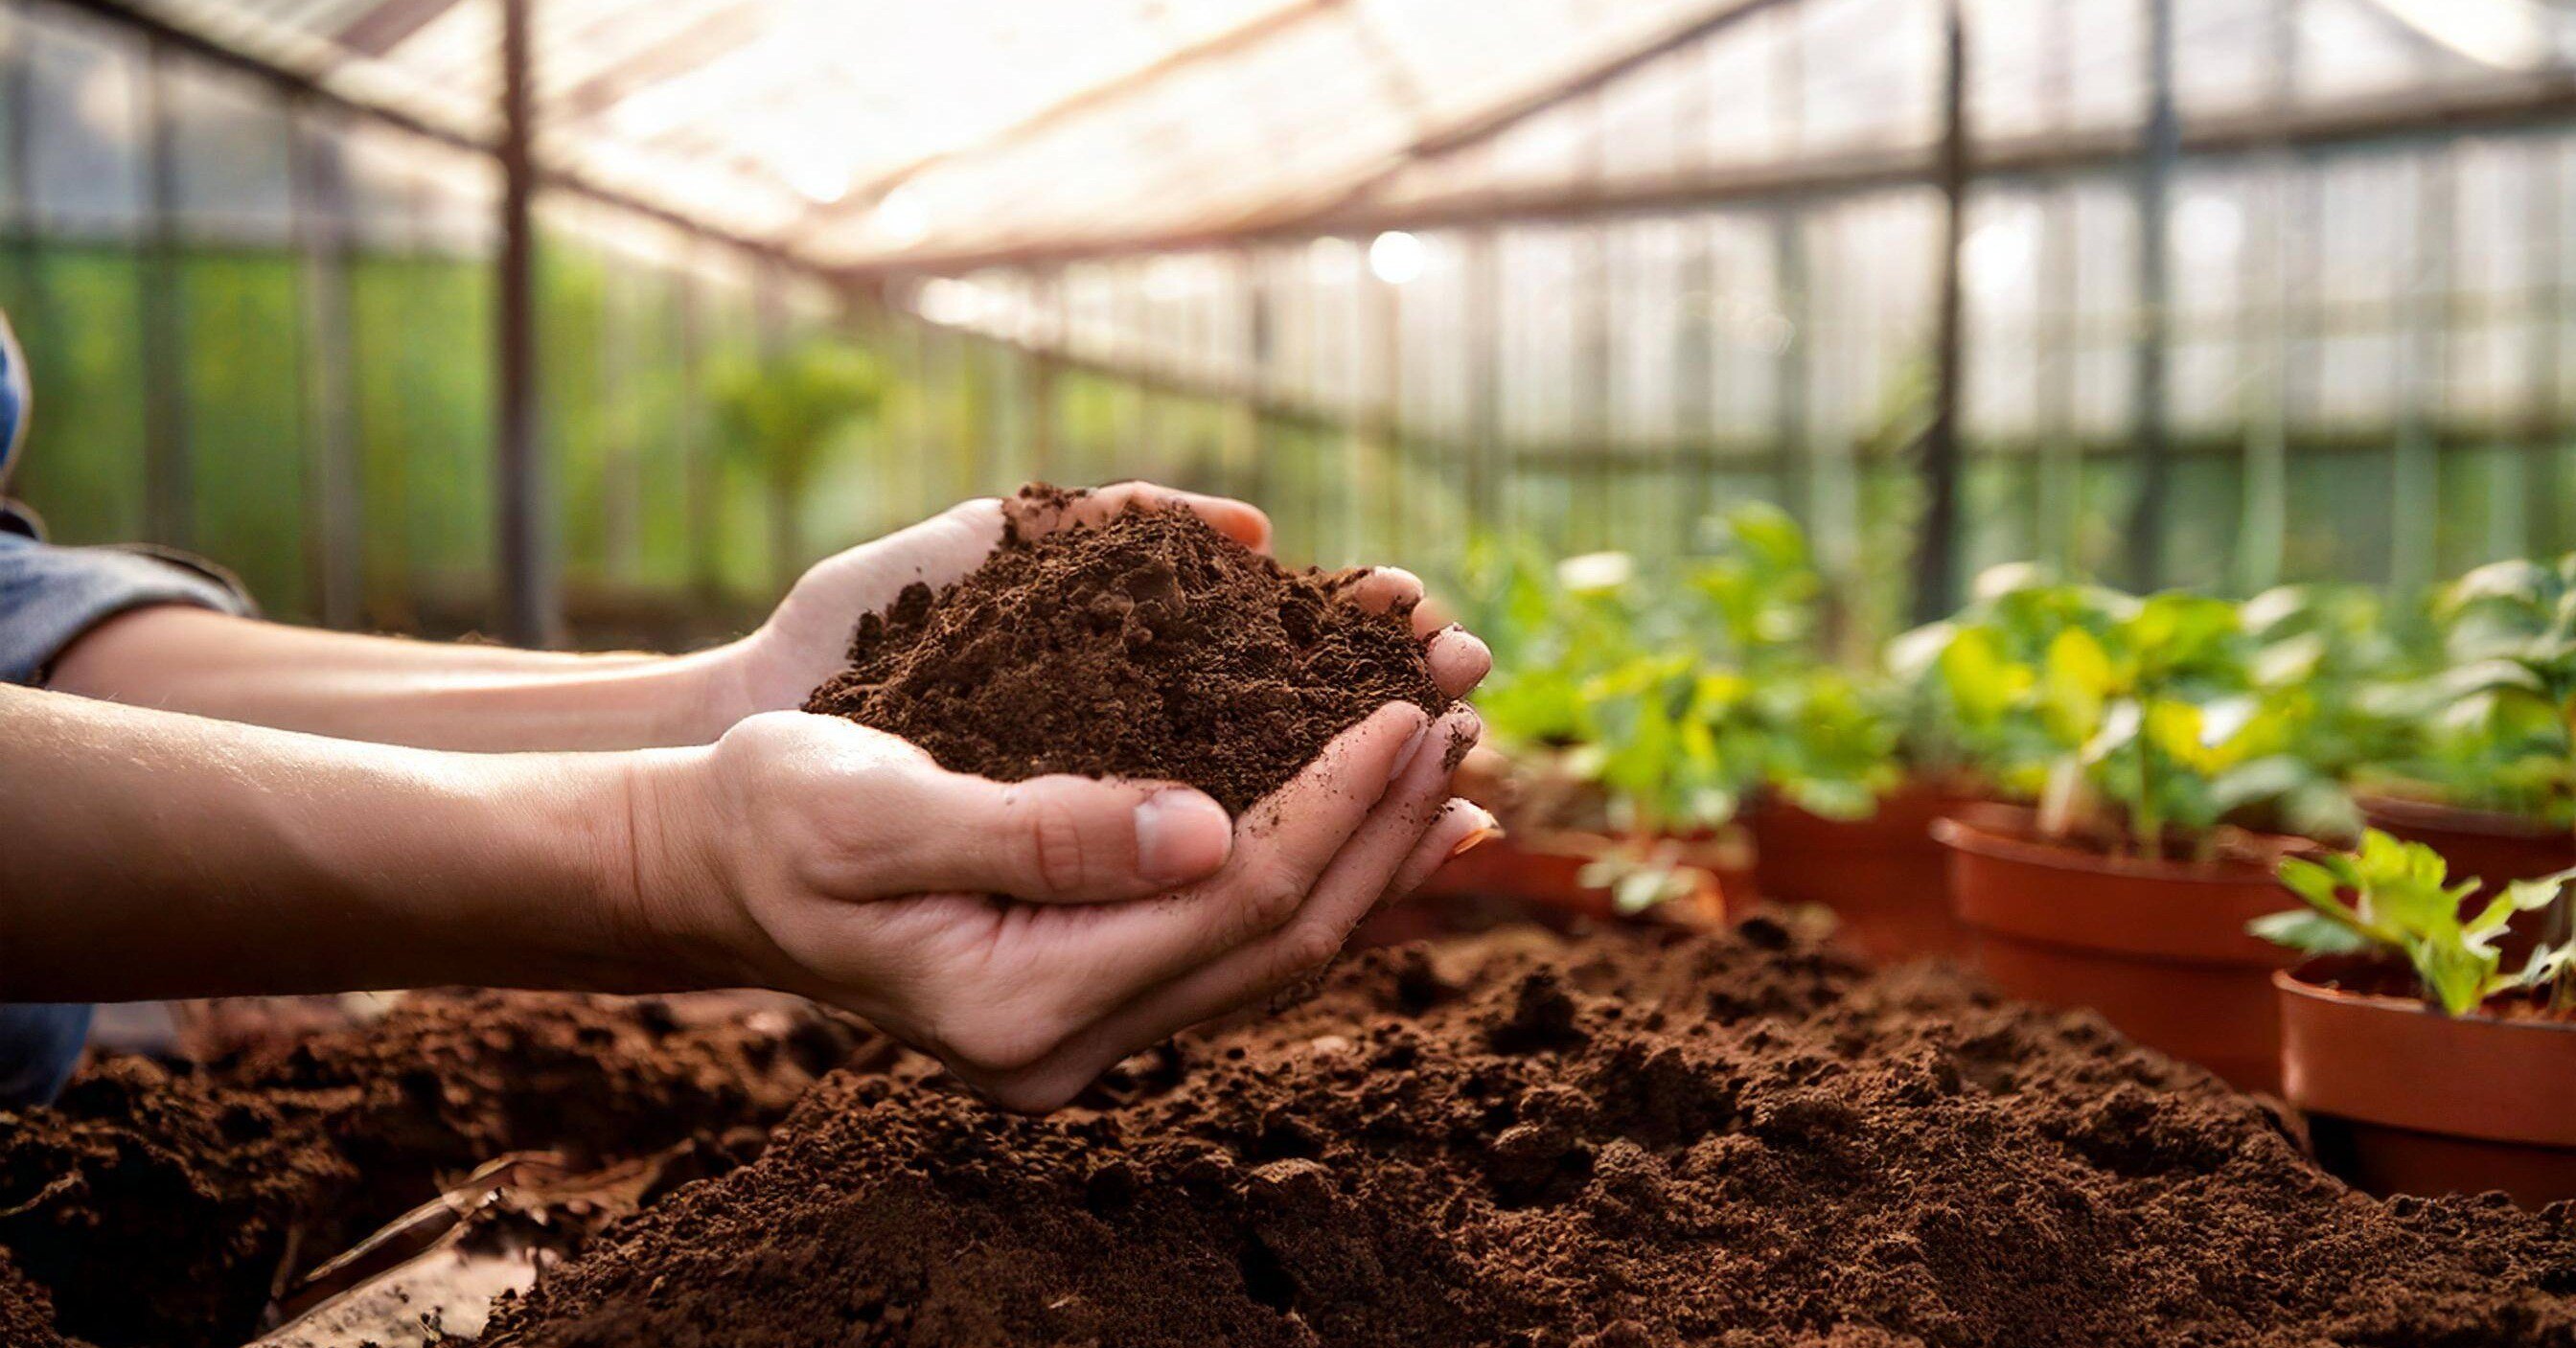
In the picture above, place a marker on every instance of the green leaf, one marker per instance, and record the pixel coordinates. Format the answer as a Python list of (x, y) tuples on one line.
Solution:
[(2314, 933)]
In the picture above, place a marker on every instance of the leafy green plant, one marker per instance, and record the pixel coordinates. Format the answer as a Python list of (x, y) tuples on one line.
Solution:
[(2148, 715), (779, 415), (2500, 712), (2402, 903)]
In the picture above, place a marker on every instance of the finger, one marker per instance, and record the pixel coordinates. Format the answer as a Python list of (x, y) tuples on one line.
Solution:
[(1282, 848), (1386, 589), (1350, 886), (1053, 839), (1459, 660), (1238, 520)]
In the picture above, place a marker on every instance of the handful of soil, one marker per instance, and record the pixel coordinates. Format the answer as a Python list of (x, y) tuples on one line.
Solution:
[(1151, 646)]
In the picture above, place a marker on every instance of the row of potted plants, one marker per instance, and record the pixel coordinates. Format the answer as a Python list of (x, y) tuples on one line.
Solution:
[(2113, 778)]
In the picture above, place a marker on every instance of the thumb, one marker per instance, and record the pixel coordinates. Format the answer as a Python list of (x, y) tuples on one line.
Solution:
[(1060, 839)]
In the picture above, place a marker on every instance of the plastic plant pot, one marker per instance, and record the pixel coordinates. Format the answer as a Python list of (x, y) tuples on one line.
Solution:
[(2495, 848), (2402, 1099), (1885, 877), (2158, 947)]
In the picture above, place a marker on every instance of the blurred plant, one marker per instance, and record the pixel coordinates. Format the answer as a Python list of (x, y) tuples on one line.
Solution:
[(1679, 700), (2146, 715), (2497, 715), (2402, 906), (778, 416)]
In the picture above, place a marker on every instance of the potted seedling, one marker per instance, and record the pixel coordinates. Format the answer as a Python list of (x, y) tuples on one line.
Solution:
[(2141, 729), (1833, 818), (2490, 778), (2427, 1061)]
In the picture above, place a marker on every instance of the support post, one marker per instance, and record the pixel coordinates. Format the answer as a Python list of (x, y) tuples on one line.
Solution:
[(1261, 354), (1936, 544), (2154, 184), (697, 450), (1789, 365), (529, 611), (1484, 377), (170, 495), (319, 188), (2415, 463), (2545, 288)]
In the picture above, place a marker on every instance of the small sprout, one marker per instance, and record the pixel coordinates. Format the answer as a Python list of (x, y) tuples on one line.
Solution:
[(2403, 903)]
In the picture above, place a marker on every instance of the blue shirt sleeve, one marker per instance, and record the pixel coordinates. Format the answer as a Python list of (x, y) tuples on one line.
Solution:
[(50, 596)]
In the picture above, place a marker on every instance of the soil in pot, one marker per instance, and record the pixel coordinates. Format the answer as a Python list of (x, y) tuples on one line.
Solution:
[(162, 1207), (2403, 1099), (1885, 877), (1148, 646), (1636, 1139), (2158, 947)]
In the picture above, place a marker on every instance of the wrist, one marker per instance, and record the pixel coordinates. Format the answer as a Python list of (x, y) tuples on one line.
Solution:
[(668, 885)]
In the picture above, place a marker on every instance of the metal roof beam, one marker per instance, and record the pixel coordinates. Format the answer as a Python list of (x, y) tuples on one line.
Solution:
[(1249, 33), (2350, 124), (302, 84)]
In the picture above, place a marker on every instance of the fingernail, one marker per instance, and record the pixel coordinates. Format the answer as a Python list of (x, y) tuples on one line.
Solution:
[(1487, 829), (1180, 835), (1404, 758)]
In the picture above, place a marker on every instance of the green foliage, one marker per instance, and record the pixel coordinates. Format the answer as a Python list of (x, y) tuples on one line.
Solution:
[(780, 413), (2402, 903), (2497, 715), (2165, 713), (1681, 699)]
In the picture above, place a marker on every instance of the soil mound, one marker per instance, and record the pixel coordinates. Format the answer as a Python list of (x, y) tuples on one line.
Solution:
[(1150, 646), (163, 1207), (1639, 1139)]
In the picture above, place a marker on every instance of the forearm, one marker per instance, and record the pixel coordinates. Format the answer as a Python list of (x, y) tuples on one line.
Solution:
[(155, 855), (392, 691)]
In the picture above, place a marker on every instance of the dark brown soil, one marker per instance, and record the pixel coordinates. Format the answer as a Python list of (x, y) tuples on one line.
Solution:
[(162, 1207), (1644, 1139), (1150, 647), (26, 1314)]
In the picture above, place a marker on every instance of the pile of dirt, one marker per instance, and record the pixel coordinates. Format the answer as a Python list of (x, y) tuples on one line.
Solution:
[(1637, 1139), (166, 1208), (1150, 646)]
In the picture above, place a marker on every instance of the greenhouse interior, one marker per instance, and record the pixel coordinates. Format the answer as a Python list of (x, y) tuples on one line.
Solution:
[(1985, 589)]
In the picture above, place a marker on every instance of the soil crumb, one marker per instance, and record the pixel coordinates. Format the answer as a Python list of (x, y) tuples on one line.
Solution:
[(1633, 1139), (26, 1313), (1149, 646), (162, 1207)]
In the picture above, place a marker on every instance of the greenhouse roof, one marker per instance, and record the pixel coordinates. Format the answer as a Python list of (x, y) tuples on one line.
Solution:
[(874, 134)]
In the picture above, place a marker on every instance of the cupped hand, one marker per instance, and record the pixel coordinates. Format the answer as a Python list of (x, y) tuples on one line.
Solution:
[(1031, 934)]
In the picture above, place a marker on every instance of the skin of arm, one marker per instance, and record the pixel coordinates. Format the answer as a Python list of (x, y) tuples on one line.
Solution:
[(1029, 934)]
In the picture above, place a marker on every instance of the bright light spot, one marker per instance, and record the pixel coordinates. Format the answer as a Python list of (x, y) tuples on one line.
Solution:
[(1396, 257), (950, 303), (1999, 253), (900, 218), (1167, 279), (1595, 572), (817, 174), (2207, 229)]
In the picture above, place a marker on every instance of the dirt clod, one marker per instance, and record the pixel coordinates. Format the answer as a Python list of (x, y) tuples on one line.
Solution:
[(1150, 646), (1636, 1140)]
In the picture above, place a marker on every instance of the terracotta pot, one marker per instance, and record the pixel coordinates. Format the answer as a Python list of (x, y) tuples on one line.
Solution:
[(2403, 1099), (2496, 848), (2158, 947), (1884, 877)]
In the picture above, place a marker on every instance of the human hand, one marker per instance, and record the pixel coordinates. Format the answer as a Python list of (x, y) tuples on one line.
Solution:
[(807, 639), (1031, 934)]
